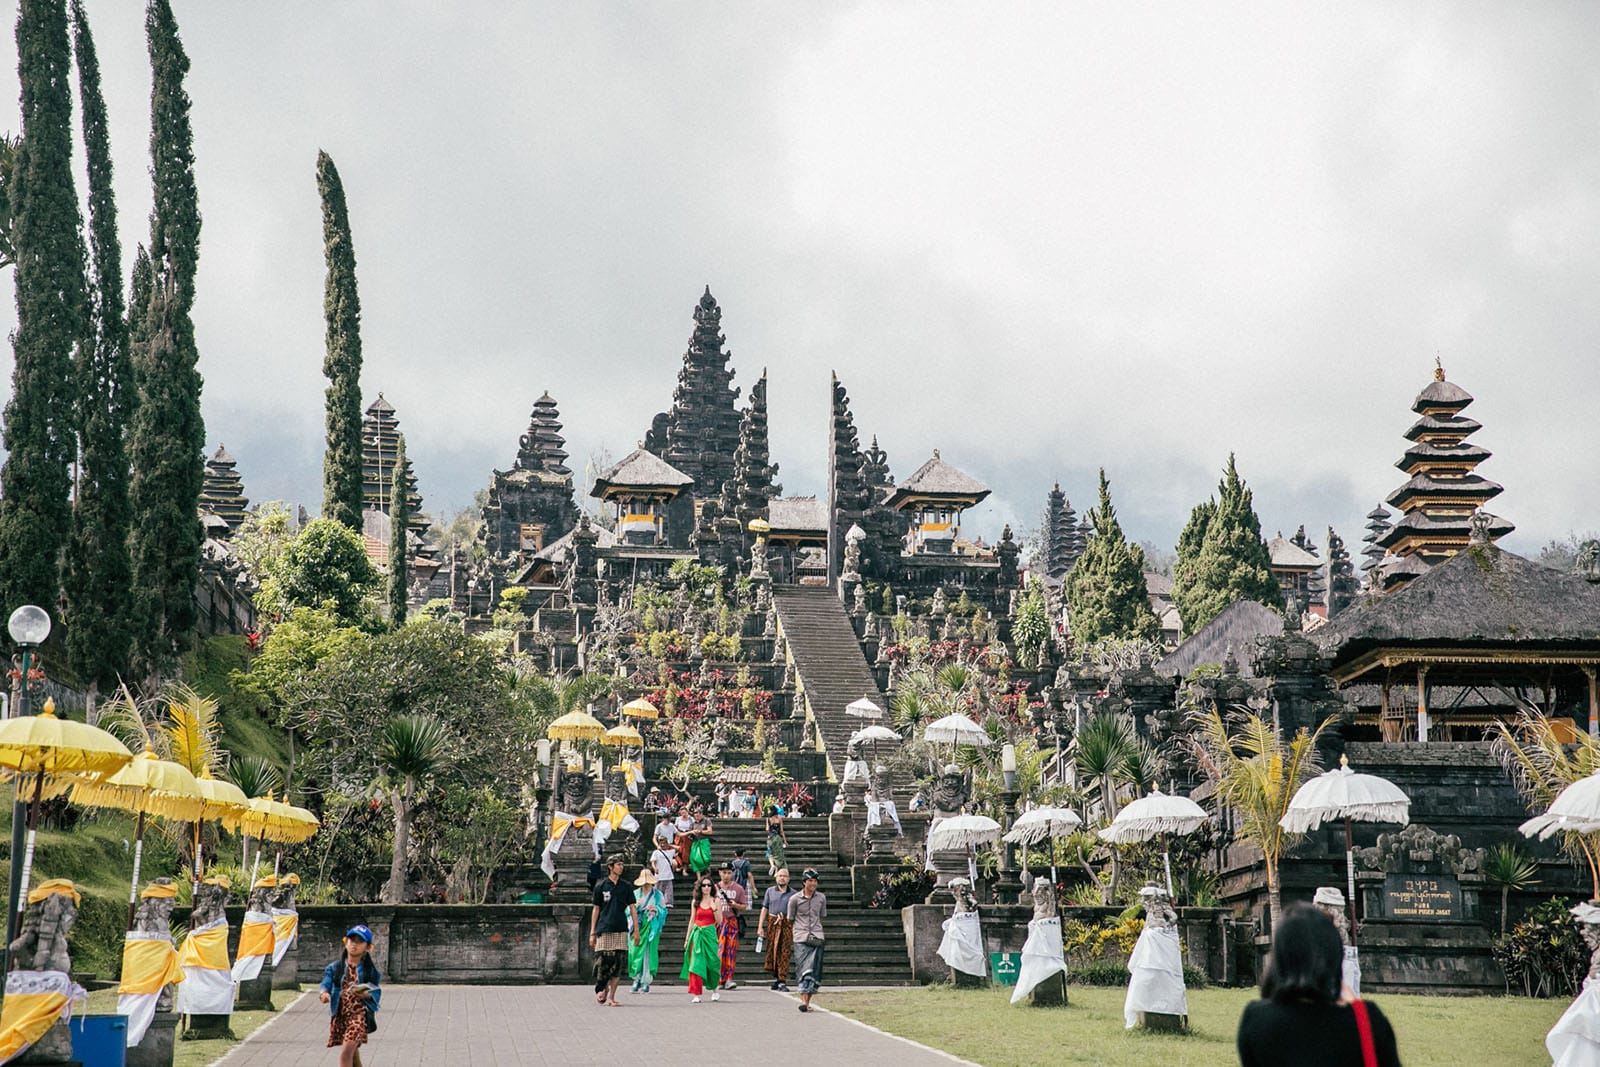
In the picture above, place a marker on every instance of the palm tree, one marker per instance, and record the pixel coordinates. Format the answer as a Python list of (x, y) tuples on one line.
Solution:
[(553, 695), (413, 749), (1542, 762), (1103, 750), (1506, 867), (1255, 772)]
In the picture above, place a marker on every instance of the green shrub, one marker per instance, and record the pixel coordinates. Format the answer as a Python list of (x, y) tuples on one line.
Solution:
[(1114, 974)]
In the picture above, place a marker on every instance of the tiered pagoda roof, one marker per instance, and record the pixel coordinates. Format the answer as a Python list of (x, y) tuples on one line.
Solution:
[(380, 445), (1063, 540), (1377, 525), (753, 470), (542, 449), (222, 492), (1443, 491), (702, 428)]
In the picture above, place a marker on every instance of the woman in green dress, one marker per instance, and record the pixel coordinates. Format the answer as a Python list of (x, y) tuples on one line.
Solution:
[(702, 965), (777, 841), (644, 951)]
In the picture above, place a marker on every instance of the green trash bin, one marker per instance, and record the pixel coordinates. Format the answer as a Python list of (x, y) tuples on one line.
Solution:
[(531, 898)]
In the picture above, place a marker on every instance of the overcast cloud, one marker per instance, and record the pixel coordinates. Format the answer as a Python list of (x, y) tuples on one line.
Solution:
[(1040, 238)]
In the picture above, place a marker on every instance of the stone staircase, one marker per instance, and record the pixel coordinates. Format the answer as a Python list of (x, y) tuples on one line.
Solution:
[(865, 946), (829, 663)]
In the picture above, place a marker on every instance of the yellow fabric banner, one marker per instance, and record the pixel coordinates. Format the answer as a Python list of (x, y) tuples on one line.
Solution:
[(148, 966), (255, 939), (25, 1017), (284, 926), (206, 949), (613, 812)]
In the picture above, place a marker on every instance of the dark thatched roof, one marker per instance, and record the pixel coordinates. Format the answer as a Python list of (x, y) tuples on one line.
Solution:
[(1236, 627), (936, 478), (641, 470), (1483, 595)]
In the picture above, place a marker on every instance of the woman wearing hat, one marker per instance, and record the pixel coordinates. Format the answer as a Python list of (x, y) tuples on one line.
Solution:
[(644, 952)]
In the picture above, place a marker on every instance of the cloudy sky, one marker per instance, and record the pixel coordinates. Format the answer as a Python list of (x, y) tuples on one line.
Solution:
[(1042, 238)]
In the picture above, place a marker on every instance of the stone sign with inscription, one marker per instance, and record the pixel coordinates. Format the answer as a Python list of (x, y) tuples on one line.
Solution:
[(1421, 896)]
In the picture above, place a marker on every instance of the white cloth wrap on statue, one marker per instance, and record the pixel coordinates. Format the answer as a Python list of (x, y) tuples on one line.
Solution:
[(204, 991), (281, 945), (248, 968), (855, 770), (1042, 956), (1574, 1041), (1351, 969), (560, 824), (1156, 976), (879, 812), (962, 947)]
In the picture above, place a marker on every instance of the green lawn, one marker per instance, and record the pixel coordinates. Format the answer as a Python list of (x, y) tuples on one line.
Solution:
[(204, 1053), (982, 1026)]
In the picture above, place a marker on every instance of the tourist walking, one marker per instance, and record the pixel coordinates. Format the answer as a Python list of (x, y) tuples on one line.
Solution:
[(663, 861), (742, 873), (700, 849), (777, 842), (1302, 1019), (773, 931), (734, 901), (613, 915), (644, 952), (807, 909), (683, 835), (350, 989), (701, 965)]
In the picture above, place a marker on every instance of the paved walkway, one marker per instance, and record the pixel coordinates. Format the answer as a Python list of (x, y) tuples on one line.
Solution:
[(532, 1026)]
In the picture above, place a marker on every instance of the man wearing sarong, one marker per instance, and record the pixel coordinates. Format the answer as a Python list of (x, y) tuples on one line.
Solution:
[(807, 909), (775, 929), (733, 900)]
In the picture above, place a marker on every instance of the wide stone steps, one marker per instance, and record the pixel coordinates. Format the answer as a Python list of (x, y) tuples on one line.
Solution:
[(865, 946), (829, 662)]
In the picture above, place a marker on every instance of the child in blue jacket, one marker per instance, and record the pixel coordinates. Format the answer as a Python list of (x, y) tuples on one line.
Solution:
[(350, 989)]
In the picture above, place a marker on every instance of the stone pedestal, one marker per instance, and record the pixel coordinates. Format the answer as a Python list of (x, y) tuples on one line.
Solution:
[(55, 1047), (287, 974), (209, 1027), (1159, 1021), (963, 980), (948, 865), (156, 1047), (572, 867), (882, 845), (1050, 993), (256, 994), (854, 792)]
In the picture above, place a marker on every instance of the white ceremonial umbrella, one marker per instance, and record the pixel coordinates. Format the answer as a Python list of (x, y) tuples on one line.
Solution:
[(956, 729), (874, 733), (1149, 816), (1343, 794), (863, 709), (1044, 824), (1576, 809), (964, 832)]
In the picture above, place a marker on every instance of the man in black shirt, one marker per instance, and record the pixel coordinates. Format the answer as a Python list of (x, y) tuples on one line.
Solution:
[(608, 930)]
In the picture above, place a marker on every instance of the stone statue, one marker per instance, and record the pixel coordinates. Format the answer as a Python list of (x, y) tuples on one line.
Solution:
[(965, 900), (950, 792), (882, 783), (210, 904), (1479, 525), (1588, 917), (758, 558), (260, 898), (1331, 902), (852, 554), (940, 605), (577, 791), (154, 918), (1589, 561), (860, 605), (42, 944), (1159, 914), (1044, 899)]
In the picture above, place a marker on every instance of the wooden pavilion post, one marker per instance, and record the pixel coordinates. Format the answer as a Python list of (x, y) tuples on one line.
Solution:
[(1422, 702), (1594, 700)]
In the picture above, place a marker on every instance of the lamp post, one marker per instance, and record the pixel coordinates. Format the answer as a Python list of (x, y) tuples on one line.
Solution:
[(29, 626), (1009, 888)]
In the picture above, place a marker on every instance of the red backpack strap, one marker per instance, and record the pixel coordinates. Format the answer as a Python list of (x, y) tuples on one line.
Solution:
[(1369, 1050)]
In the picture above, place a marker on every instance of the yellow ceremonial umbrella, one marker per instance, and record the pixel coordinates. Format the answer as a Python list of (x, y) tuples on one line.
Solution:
[(44, 746), (273, 820), (620, 736), (221, 800), (641, 709), (146, 786), (576, 726)]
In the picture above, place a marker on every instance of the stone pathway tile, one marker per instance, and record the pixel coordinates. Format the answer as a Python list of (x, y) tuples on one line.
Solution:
[(533, 1026)]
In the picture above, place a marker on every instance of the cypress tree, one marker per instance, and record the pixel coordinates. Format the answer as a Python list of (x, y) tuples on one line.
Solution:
[(1221, 557), (168, 453), (1106, 591), (399, 519), (52, 317), (98, 570), (341, 306)]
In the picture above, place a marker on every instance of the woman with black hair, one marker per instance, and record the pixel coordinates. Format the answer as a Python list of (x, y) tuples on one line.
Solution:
[(1303, 1018)]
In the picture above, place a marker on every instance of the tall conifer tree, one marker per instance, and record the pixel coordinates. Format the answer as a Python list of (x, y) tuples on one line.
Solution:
[(98, 570), (168, 451), (1106, 591), (341, 462), (1221, 557), (52, 318), (399, 520)]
